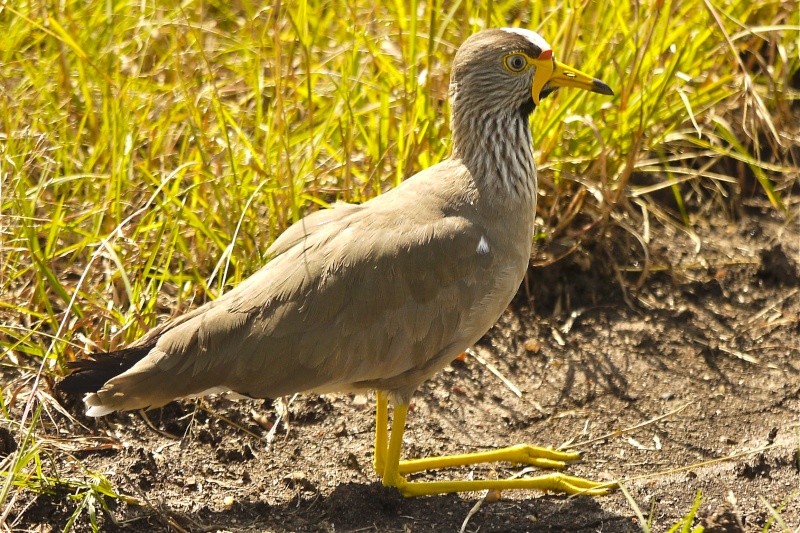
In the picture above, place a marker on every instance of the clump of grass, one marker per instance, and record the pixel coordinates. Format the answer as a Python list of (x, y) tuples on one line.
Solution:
[(685, 525), (151, 153), (702, 113)]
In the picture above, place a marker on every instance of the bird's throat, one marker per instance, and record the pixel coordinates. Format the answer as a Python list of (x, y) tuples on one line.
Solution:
[(527, 108), (497, 149)]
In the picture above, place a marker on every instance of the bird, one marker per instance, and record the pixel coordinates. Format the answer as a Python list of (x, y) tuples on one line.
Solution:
[(379, 295)]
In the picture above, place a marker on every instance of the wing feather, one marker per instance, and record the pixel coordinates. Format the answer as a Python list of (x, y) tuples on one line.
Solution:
[(353, 294)]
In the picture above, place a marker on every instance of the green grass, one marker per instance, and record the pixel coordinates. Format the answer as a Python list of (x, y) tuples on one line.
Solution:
[(149, 155)]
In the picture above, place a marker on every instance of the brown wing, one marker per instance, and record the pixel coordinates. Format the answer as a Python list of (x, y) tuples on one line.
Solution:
[(310, 224), (368, 295)]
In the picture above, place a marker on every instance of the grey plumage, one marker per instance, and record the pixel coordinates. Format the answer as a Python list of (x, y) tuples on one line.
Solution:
[(373, 296)]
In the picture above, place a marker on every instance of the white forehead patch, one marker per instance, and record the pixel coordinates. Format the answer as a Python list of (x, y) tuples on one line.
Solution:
[(532, 36)]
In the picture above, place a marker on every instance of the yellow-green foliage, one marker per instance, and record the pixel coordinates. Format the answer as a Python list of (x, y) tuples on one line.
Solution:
[(157, 148)]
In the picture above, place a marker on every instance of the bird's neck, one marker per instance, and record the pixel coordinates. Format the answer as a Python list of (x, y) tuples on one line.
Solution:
[(497, 149)]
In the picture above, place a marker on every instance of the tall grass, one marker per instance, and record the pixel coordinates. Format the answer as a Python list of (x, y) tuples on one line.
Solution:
[(149, 153)]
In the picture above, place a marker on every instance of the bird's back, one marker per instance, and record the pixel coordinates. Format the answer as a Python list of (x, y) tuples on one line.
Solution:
[(379, 295)]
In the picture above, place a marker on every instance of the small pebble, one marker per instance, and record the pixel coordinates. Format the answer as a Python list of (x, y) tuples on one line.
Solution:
[(533, 346), (494, 495)]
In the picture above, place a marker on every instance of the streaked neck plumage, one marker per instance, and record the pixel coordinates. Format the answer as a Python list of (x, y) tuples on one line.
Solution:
[(494, 142)]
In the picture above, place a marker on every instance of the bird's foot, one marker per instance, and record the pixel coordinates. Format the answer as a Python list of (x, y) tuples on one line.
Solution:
[(379, 465), (391, 469), (545, 458), (552, 482)]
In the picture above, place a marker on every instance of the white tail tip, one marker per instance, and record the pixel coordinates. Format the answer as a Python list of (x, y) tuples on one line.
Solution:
[(94, 406)]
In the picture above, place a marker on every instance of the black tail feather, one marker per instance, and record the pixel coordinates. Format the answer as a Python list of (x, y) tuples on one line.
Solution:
[(89, 375)]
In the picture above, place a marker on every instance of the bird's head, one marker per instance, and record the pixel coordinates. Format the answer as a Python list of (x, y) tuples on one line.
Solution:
[(514, 67)]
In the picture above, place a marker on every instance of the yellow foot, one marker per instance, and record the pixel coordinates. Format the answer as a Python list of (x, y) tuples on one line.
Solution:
[(553, 482), (546, 458), (391, 469)]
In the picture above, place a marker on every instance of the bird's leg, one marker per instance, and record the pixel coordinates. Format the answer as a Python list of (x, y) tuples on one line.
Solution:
[(393, 468), (381, 431)]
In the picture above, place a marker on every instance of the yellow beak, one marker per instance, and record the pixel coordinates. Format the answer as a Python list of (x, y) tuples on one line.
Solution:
[(553, 74)]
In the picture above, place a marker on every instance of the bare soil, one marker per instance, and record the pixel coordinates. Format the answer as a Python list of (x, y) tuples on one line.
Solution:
[(689, 383)]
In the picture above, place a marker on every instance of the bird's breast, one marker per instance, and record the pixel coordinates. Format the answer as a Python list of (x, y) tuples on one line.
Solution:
[(506, 255)]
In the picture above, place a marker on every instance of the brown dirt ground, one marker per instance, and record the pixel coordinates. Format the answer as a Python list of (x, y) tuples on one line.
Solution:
[(701, 363)]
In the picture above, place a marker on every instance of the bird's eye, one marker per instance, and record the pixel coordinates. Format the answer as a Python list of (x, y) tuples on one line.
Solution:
[(516, 62)]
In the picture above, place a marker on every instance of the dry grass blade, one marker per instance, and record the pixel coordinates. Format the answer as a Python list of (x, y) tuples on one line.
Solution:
[(620, 432), (493, 369)]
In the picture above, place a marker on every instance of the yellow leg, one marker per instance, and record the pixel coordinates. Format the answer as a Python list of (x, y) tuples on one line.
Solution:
[(393, 468), (381, 436)]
